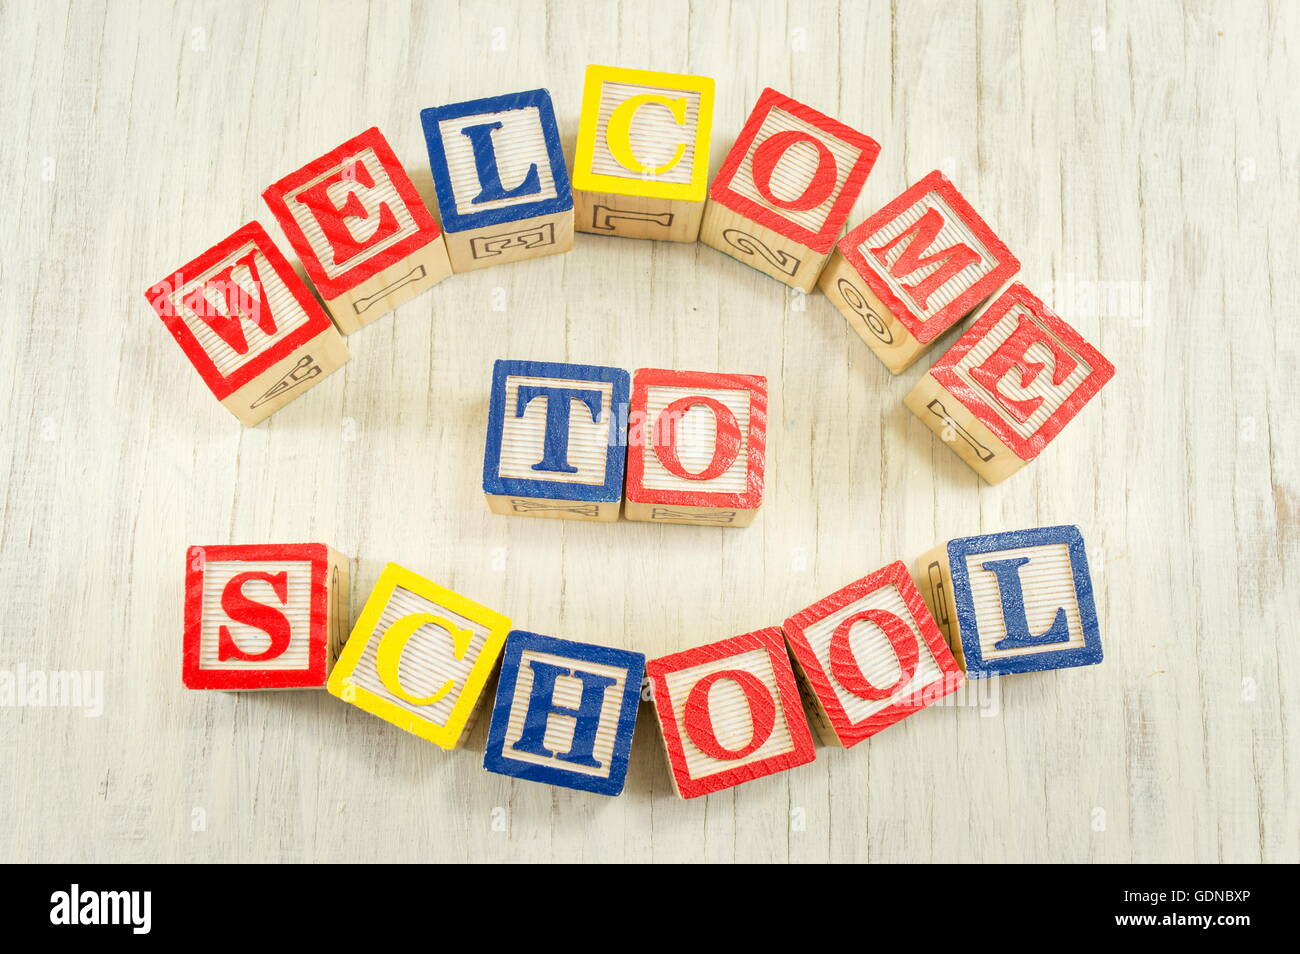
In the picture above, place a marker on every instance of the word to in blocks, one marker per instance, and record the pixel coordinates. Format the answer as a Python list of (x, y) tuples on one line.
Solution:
[(641, 165), (499, 173), (914, 269), (785, 189), (1009, 384), (565, 713), (696, 447), (249, 325), (556, 440), (419, 657), (729, 712), (1012, 602), (267, 616)]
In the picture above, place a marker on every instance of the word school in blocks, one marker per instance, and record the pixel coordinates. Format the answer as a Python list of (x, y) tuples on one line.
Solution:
[(845, 667)]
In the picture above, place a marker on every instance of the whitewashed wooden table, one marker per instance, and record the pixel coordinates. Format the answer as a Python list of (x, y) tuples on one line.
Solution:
[(1141, 158)]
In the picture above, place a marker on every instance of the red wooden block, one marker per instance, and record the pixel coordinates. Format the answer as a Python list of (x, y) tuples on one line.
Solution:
[(696, 447), (869, 655), (729, 712)]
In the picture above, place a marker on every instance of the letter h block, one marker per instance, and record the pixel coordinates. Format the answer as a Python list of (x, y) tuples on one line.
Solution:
[(914, 269), (729, 712), (419, 657), (1006, 388), (565, 713), (249, 325), (503, 188), (869, 655), (267, 616), (641, 165), (364, 235), (785, 189), (1020, 601), (556, 440)]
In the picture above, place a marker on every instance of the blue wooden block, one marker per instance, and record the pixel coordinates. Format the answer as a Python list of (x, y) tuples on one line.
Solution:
[(1024, 601), (564, 713)]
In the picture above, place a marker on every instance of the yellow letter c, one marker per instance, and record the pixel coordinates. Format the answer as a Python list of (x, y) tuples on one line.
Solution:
[(388, 655), (618, 132)]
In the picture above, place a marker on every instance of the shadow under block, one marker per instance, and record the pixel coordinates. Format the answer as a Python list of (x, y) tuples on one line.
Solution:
[(869, 655), (785, 190), (556, 440), (502, 184), (1013, 602), (641, 163), (1010, 383), (420, 656), (565, 713), (697, 447), (249, 325), (263, 616), (914, 269), (729, 712)]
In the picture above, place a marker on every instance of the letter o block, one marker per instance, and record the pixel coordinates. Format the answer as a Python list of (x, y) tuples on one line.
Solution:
[(729, 712)]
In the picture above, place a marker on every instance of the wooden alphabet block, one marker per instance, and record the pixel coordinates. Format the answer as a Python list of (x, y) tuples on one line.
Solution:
[(556, 440), (696, 447), (503, 188), (869, 655), (641, 166), (729, 712), (364, 235), (1014, 602), (785, 189), (419, 657), (565, 713), (263, 616), (249, 325), (914, 269), (1009, 384)]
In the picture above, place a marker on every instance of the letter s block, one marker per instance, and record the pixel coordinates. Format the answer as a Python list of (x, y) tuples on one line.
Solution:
[(869, 655), (696, 447), (263, 616), (641, 165), (565, 713), (914, 269), (419, 657), (364, 235), (785, 189), (1020, 601), (729, 712), (1006, 388), (249, 325)]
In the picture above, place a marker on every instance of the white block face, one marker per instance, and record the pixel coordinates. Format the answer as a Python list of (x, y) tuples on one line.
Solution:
[(796, 169), (1048, 584), (874, 653), (696, 437), (655, 134), (217, 575), (559, 728), (523, 438), (730, 712), (519, 144), (373, 200), (428, 660)]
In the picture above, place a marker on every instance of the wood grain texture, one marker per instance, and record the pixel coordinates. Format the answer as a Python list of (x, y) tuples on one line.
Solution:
[(1150, 146)]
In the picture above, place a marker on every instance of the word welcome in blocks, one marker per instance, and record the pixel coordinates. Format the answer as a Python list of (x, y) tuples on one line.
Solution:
[(641, 165), (1014, 602), (266, 616), (419, 657), (786, 188), (249, 325), (503, 188), (914, 269), (1009, 384), (364, 235)]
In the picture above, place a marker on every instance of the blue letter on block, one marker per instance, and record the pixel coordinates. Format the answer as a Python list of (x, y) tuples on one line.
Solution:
[(555, 448), (586, 718), (1013, 609), (489, 176)]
